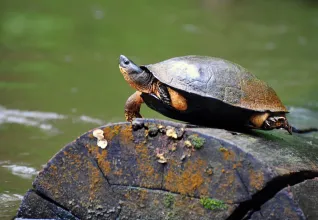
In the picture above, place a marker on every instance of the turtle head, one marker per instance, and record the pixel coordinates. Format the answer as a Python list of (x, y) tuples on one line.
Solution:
[(138, 77)]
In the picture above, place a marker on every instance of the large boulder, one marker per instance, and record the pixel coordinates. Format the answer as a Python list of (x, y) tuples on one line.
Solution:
[(155, 169)]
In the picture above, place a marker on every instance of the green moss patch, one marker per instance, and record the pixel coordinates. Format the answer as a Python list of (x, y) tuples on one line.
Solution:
[(213, 204), (196, 141), (168, 200)]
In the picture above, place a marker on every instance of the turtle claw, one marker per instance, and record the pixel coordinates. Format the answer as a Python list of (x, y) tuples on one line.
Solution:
[(273, 119), (130, 116), (289, 129), (267, 124)]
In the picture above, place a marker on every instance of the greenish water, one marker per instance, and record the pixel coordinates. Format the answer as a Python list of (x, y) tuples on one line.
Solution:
[(59, 72)]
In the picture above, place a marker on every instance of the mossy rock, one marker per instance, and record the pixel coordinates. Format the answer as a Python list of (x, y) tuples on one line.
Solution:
[(143, 173)]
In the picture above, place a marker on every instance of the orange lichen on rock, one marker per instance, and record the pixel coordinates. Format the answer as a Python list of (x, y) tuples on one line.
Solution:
[(236, 165), (145, 166), (191, 204), (103, 163), (93, 149), (228, 185), (126, 135), (59, 173), (143, 195), (52, 183), (118, 172), (204, 189), (53, 168), (101, 157), (256, 179), (228, 154), (90, 135), (189, 180), (111, 131), (143, 157), (75, 160), (94, 181), (230, 178)]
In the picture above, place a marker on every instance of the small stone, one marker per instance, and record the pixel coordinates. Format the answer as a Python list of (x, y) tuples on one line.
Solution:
[(171, 133), (187, 143), (164, 160), (183, 157), (161, 157), (162, 129), (99, 134), (152, 130), (173, 148), (137, 124), (102, 143), (111, 210), (99, 207), (180, 132)]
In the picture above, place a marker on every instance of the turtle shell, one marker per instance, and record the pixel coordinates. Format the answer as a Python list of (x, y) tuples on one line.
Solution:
[(218, 79)]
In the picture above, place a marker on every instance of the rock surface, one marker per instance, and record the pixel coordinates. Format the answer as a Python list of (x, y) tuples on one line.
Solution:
[(158, 169)]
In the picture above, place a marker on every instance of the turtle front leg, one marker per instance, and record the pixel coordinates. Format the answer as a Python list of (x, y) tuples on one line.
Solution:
[(132, 106)]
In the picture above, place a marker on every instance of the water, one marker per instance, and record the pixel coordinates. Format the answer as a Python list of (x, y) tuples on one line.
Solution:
[(59, 74)]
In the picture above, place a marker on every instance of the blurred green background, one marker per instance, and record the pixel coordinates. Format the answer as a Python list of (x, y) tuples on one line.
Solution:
[(59, 72)]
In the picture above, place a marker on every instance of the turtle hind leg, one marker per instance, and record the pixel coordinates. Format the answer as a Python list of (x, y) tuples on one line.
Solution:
[(277, 122), (273, 122), (267, 121)]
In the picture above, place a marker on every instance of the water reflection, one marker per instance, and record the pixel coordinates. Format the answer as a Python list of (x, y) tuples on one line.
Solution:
[(22, 171), (40, 119)]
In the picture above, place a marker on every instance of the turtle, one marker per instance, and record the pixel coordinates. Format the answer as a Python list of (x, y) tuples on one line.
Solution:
[(203, 90)]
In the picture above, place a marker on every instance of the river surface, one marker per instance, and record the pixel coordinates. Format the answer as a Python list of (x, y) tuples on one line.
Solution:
[(59, 72)]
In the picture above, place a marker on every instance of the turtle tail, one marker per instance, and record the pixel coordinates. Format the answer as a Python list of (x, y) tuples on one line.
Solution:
[(303, 131)]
